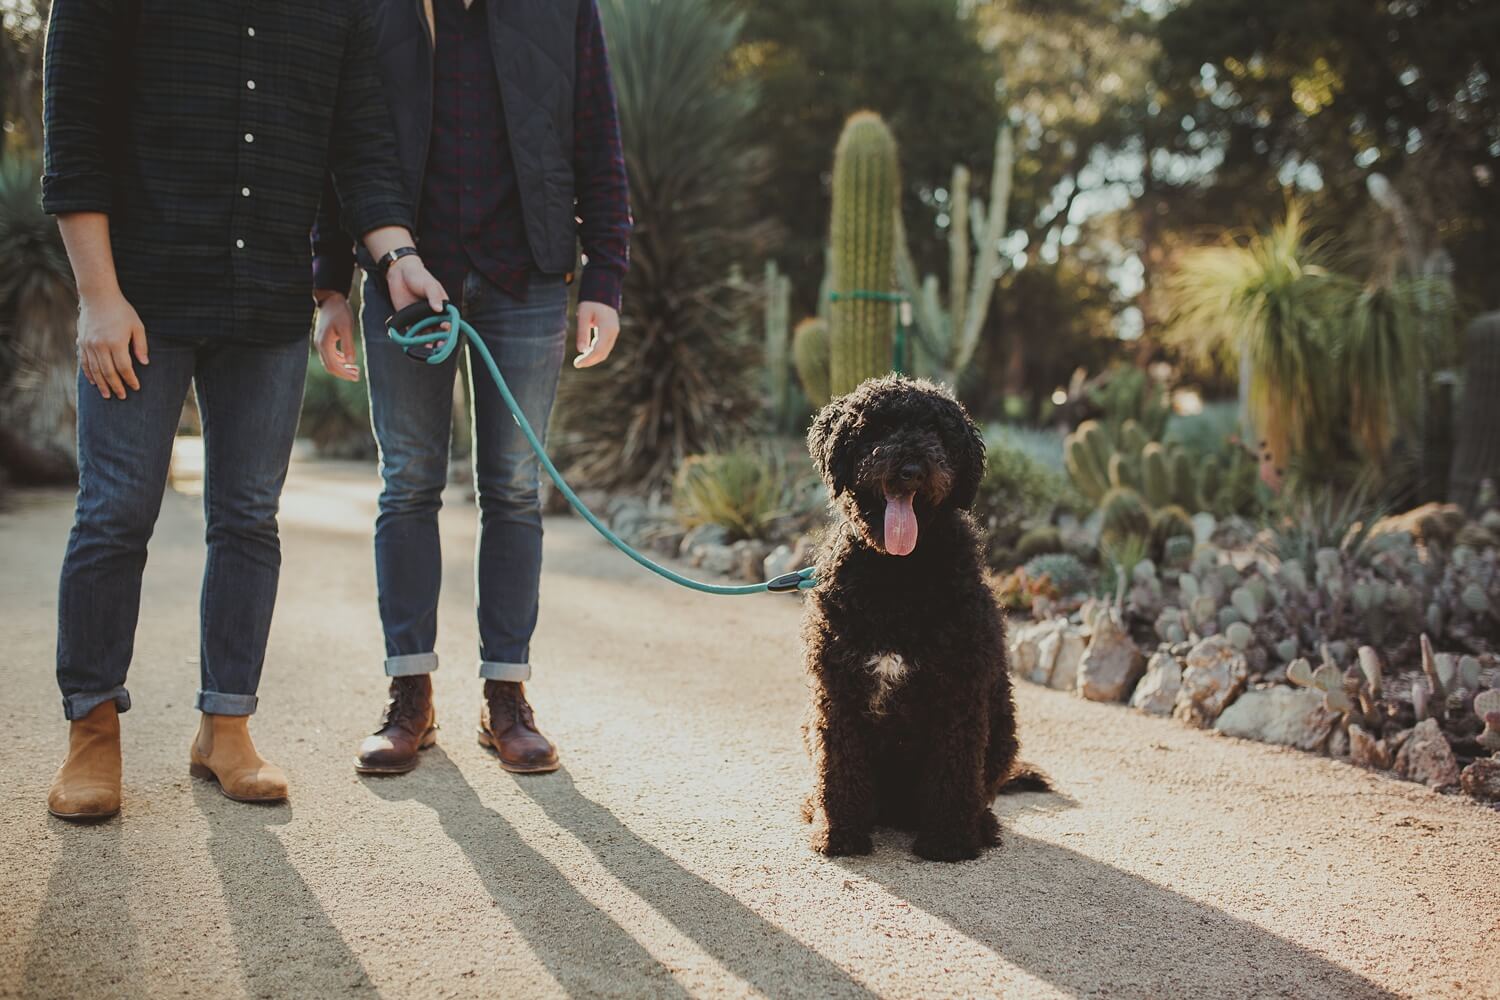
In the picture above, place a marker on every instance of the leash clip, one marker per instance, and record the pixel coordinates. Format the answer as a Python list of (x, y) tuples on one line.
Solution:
[(786, 583)]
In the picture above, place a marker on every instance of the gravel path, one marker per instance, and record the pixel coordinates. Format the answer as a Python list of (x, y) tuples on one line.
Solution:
[(666, 860)]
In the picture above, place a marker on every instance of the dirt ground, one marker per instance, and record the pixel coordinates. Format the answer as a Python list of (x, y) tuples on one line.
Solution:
[(666, 859)]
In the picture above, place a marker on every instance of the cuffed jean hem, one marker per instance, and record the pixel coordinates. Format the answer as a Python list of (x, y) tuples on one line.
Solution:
[(411, 664), (76, 706), (492, 670), (217, 703)]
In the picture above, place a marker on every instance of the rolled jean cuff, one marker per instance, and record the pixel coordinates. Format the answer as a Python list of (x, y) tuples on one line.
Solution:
[(76, 706), (494, 670), (411, 664), (217, 703)]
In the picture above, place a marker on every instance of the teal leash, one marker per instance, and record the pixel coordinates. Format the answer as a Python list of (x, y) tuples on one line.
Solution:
[(434, 346)]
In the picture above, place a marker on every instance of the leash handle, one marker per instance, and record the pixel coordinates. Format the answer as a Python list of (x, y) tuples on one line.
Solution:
[(418, 331)]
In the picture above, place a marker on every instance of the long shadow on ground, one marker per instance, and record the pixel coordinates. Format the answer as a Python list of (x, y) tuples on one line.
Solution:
[(721, 925), (286, 943), (84, 940), (583, 948), (1091, 929)]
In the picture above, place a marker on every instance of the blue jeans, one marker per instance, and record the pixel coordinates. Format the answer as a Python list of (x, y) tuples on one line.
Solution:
[(411, 407), (249, 397)]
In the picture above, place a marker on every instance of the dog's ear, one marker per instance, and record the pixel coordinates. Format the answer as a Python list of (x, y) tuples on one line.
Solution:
[(828, 443), (965, 446)]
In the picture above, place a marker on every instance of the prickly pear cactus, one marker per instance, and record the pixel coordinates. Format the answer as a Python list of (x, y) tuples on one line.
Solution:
[(866, 205)]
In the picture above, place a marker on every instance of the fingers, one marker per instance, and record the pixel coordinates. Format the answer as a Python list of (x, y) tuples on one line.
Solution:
[(124, 369), (436, 296), (104, 366), (138, 344), (585, 337), (597, 329), (91, 371)]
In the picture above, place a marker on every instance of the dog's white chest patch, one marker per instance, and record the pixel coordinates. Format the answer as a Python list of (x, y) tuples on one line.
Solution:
[(890, 671)]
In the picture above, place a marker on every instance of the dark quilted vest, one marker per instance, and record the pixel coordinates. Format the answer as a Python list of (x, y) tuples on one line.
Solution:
[(534, 47)]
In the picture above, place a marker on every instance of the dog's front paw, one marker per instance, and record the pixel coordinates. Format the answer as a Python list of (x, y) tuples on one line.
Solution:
[(945, 847), (989, 829), (837, 843)]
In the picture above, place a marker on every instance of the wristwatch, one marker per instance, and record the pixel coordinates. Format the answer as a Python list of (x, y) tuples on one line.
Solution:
[(385, 262)]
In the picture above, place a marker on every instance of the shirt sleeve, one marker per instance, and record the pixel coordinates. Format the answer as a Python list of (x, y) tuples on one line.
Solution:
[(332, 248), (362, 151), (599, 166), (80, 105)]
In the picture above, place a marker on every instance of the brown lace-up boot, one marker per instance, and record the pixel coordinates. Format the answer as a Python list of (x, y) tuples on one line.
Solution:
[(408, 727), (508, 727)]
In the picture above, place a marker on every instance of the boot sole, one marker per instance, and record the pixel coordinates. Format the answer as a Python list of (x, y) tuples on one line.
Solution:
[(203, 771), (428, 741), (85, 818), (489, 744)]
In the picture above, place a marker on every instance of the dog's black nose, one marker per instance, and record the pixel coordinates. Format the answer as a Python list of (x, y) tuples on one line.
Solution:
[(910, 471)]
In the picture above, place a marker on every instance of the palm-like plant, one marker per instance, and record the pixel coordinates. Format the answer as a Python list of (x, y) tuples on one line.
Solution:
[(682, 380), (38, 326), (1330, 365)]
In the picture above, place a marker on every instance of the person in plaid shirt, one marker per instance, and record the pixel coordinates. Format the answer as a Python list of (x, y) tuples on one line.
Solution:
[(504, 112)]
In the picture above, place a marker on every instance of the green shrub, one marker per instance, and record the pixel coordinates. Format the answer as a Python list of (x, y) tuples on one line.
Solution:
[(1066, 572), (745, 491), (1017, 489), (1039, 541)]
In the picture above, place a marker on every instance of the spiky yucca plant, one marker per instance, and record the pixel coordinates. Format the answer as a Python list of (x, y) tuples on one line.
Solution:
[(1334, 364), (682, 380), (38, 331)]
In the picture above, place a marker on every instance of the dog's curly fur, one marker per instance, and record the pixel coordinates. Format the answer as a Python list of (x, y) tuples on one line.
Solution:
[(912, 723)]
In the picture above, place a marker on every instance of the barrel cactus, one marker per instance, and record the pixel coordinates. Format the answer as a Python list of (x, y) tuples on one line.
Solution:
[(866, 206), (810, 355), (1125, 514)]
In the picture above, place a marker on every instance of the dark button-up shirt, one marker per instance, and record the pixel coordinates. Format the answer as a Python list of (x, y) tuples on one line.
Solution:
[(204, 131), (470, 213)]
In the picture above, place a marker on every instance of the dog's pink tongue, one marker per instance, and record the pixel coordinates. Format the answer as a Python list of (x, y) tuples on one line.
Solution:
[(900, 526)]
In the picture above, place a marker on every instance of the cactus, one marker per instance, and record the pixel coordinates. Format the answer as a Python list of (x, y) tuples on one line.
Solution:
[(1091, 479), (810, 353), (1487, 707), (1239, 635), (1065, 571), (1122, 473), (1170, 523), (1209, 480), (1246, 604), (778, 291), (1184, 479), (1156, 475), (1177, 550), (1476, 450), (1124, 515), (866, 204), (1039, 541)]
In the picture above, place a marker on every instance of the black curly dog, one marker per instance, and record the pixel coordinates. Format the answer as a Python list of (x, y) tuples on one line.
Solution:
[(912, 722)]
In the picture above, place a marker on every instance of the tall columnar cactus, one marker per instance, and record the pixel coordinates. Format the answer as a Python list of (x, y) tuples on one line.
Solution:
[(1476, 452), (866, 204), (810, 352), (778, 292)]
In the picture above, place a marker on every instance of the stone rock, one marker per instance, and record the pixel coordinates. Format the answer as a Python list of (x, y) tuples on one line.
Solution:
[(1367, 751), (1157, 691), (1046, 652), (805, 551), (1481, 779), (703, 534), (1291, 717), (1214, 672), (1111, 664), (778, 562), (1338, 743), (720, 559), (1427, 757), (750, 554)]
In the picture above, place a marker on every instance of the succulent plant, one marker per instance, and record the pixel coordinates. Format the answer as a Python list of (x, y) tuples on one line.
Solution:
[(1066, 572), (811, 358), (1039, 541), (1239, 635), (1124, 515)]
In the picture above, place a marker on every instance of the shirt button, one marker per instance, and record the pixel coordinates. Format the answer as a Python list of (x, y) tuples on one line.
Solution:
[(250, 84), (239, 244), (244, 192), (249, 137)]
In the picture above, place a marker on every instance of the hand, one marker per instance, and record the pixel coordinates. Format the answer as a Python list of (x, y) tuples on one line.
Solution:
[(108, 329), (409, 281), (598, 328), (334, 337)]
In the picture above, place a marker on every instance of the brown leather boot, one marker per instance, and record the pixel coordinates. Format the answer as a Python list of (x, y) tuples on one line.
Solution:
[(223, 752), (508, 727), (408, 727), (87, 786)]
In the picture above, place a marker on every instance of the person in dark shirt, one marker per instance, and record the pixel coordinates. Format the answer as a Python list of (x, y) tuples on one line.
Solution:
[(186, 146), (505, 117)]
